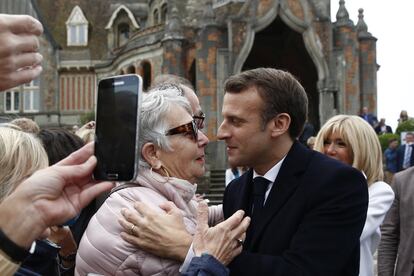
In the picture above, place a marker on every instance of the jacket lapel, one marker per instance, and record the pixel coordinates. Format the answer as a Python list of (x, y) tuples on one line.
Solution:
[(285, 185), (244, 191)]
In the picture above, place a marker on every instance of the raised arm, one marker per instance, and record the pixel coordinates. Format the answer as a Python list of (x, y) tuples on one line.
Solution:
[(50, 197), (19, 45)]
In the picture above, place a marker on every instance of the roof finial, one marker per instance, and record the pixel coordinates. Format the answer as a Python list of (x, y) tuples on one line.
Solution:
[(209, 17), (174, 27), (342, 16), (361, 25)]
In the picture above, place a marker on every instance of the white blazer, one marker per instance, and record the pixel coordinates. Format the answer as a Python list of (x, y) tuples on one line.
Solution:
[(381, 197)]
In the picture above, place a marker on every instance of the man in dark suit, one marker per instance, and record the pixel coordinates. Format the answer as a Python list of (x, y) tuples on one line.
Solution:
[(405, 153), (369, 117), (382, 128), (312, 209)]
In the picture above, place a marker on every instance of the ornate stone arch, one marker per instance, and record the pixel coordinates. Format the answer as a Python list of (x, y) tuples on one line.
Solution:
[(303, 26)]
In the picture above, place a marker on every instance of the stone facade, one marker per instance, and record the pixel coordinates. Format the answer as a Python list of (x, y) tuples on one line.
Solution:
[(206, 41)]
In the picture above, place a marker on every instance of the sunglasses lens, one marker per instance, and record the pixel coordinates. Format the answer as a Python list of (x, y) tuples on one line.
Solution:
[(195, 131), (199, 123)]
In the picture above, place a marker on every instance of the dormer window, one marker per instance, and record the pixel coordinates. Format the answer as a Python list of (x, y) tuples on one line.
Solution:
[(121, 26), (77, 28)]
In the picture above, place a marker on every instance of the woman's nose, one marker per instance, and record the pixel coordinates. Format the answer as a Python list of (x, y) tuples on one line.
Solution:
[(330, 149), (202, 139)]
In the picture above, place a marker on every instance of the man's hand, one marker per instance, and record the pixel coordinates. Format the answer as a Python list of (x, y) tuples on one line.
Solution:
[(19, 45), (223, 240), (162, 234), (50, 197), (88, 125)]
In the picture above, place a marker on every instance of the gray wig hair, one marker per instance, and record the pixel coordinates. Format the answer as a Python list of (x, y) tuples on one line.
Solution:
[(156, 106)]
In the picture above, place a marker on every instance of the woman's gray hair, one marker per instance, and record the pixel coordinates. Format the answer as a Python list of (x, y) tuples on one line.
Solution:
[(155, 108)]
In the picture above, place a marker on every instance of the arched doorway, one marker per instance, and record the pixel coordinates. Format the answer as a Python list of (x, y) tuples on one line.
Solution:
[(146, 70), (278, 46)]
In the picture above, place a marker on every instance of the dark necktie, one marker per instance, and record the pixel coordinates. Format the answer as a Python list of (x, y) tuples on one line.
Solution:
[(259, 190)]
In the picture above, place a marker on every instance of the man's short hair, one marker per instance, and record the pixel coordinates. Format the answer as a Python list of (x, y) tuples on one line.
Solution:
[(171, 79), (281, 92), (391, 140)]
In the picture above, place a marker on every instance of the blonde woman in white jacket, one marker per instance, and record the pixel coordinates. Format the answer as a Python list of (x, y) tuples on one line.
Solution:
[(353, 141)]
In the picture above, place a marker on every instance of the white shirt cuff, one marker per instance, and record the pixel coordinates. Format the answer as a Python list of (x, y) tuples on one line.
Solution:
[(188, 258)]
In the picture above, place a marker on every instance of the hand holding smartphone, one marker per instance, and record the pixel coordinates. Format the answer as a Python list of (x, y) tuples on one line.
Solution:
[(117, 126)]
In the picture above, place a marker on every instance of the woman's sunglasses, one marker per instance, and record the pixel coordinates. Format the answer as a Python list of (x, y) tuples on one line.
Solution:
[(190, 127), (199, 120)]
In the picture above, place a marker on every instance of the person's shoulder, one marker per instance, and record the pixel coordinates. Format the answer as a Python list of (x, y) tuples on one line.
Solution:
[(405, 174), (325, 162), (381, 188), (327, 169), (133, 190)]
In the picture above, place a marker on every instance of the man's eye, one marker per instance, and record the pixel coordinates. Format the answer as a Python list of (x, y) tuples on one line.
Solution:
[(235, 121)]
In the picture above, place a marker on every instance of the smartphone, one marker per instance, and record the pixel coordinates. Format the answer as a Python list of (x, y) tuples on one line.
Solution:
[(117, 125)]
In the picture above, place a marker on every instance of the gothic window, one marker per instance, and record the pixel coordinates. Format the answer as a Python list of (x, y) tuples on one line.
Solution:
[(11, 101), (123, 33), (164, 13), (155, 15), (31, 96), (77, 28), (131, 69)]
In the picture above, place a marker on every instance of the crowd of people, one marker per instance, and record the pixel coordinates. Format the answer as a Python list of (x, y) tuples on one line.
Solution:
[(291, 210)]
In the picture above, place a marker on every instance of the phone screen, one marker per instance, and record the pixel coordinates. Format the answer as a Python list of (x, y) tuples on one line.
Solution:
[(116, 128)]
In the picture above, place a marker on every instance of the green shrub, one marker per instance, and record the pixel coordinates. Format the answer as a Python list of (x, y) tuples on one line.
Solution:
[(385, 138), (405, 126), (87, 117)]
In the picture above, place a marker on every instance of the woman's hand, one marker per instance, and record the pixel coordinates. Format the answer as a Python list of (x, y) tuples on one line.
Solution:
[(223, 241), (162, 234)]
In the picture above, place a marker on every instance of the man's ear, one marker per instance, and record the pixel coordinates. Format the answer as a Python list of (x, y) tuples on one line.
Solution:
[(150, 153), (280, 124)]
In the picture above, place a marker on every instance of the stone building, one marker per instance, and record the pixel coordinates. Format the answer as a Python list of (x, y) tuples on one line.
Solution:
[(206, 41)]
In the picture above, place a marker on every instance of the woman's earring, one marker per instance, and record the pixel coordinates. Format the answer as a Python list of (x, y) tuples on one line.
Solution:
[(165, 172)]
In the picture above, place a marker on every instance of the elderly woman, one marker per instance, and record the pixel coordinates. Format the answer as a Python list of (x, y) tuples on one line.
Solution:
[(353, 141), (171, 160)]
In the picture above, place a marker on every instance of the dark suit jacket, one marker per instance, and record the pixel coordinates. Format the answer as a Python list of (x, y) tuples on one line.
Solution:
[(400, 157), (388, 129), (311, 221), (370, 118)]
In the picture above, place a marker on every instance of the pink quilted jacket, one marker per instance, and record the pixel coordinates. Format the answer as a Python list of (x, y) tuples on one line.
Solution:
[(103, 251)]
